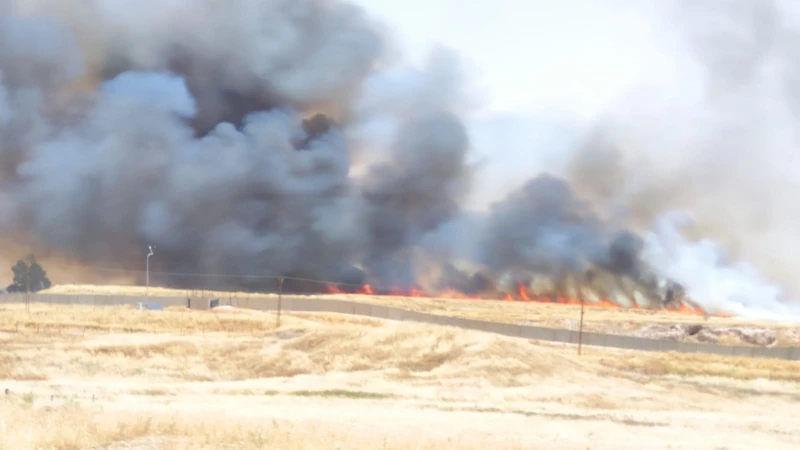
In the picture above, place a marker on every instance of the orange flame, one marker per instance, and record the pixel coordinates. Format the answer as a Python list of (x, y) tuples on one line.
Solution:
[(523, 295), (333, 289), (367, 290), (686, 309)]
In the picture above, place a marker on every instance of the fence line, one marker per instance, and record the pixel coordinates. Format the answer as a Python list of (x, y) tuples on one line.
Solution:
[(299, 303)]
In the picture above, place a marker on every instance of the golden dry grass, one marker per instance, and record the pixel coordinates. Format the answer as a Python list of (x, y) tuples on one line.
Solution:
[(492, 310), (315, 336), (702, 365), (68, 319), (307, 343), (180, 379), (76, 427), (604, 320)]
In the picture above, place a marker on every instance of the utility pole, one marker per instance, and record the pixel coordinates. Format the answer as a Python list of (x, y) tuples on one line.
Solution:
[(147, 269), (280, 300), (27, 288), (588, 279), (580, 328)]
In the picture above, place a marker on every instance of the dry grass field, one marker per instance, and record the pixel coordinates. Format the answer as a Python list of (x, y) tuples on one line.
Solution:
[(84, 377), (657, 324)]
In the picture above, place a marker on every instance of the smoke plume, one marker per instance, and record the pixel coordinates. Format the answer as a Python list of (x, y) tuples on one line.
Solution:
[(284, 138), (223, 134), (714, 139)]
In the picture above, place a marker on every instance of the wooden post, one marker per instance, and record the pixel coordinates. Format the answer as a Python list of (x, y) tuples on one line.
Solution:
[(587, 280), (580, 327), (28, 288), (280, 300)]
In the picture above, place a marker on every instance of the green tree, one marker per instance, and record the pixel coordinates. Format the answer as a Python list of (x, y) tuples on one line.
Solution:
[(39, 280), (28, 277)]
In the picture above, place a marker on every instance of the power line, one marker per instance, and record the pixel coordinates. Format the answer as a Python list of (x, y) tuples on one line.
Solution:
[(211, 275)]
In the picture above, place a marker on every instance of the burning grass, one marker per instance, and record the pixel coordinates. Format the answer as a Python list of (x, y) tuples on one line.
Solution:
[(521, 296), (463, 306), (599, 318)]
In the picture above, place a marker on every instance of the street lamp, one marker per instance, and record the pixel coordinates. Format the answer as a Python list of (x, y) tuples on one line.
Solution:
[(147, 265)]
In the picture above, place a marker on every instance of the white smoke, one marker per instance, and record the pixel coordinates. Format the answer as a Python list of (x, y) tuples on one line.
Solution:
[(715, 141), (707, 127), (719, 284)]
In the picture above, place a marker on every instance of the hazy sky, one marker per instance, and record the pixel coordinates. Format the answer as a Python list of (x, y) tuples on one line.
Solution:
[(533, 54), (543, 68)]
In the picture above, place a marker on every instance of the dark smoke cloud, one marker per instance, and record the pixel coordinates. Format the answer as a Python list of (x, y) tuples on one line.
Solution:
[(544, 228), (204, 137), (236, 57), (420, 189), (283, 138), (715, 138), (544, 237)]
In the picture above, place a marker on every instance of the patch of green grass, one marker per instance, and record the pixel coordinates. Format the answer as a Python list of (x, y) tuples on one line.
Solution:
[(599, 417), (245, 392), (153, 392), (331, 393), (341, 393), (29, 398)]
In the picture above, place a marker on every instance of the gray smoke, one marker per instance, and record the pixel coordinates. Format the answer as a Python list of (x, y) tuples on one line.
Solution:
[(715, 138), (223, 133), (544, 228), (236, 57), (282, 137)]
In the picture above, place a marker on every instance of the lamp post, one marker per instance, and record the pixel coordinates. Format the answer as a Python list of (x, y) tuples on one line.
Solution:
[(147, 269)]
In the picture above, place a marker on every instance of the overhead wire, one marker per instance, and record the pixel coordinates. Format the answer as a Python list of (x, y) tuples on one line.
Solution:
[(209, 275)]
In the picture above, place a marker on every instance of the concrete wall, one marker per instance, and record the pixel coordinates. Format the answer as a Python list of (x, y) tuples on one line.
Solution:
[(316, 304)]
